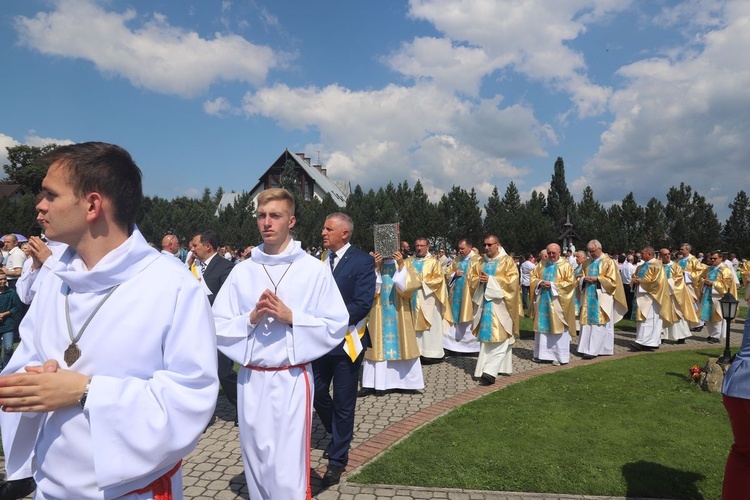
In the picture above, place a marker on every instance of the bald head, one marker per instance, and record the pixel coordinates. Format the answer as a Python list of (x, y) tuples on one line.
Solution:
[(170, 243), (553, 252)]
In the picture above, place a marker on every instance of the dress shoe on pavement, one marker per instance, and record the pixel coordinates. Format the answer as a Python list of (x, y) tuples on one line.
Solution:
[(17, 488), (712, 340), (332, 475), (365, 391), (681, 341), (486, 379)]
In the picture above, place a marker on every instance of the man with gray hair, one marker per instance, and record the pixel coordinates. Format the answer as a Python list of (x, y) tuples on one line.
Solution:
[(602, 303), (354, 273)]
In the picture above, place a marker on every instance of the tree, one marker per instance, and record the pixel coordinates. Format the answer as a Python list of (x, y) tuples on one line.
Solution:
[(460, 213), (537, 230), (24, 167), (736, 231), (655, 225), (631, 223), (501, 217), (560, 202), (691, 219), (590, 219)]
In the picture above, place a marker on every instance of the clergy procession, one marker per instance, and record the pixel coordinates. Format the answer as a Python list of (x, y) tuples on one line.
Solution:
[(124, 347)]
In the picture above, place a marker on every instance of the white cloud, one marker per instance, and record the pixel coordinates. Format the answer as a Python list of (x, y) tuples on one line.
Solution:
[(528, 36), (217, 107), (417, 132), (682, 119), (153, 54), (437, 60), (7, 141)]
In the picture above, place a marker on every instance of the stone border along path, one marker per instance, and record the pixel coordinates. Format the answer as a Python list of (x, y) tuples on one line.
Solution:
[(214, 470)]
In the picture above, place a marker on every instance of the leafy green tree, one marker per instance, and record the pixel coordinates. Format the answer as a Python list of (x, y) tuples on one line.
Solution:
[(460, 213), (560, 202), (501, 217), (655, 225), (24, 167), (737, 227), (538, 231), (590, 219), (631, 223), (691, 219)]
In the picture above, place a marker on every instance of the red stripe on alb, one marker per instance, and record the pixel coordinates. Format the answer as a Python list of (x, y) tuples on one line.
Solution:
[(308, 410), (161, 487), (274, 368)]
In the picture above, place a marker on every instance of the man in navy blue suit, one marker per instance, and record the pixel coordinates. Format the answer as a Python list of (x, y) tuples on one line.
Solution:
[(354, 272), (214, 271)]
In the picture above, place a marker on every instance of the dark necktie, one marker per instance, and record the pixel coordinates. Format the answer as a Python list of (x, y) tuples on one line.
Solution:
[(332, 259)]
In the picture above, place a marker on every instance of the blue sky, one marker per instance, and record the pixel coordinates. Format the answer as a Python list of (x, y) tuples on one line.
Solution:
[(634, 95)]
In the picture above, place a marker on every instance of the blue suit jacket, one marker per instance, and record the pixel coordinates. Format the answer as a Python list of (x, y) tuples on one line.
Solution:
[(355, 277)]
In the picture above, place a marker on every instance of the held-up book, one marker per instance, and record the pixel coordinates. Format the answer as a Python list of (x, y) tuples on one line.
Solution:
[(387, 239)]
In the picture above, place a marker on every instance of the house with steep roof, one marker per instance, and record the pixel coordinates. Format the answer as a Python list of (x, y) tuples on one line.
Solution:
[(313, 179)]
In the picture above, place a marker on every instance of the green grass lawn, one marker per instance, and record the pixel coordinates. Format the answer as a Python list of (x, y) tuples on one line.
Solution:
[(629, 427)]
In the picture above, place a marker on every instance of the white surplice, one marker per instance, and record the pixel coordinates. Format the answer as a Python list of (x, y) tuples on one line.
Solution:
[(275, 395), (150, 352)]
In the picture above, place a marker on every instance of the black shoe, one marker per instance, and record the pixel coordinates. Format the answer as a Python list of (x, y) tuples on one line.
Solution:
[(17, 488), (365, 391), (430, 361), (486, 379), (332, 475), (712, 340), (681, 341), (635, 346), (696, 329), (588, 356)]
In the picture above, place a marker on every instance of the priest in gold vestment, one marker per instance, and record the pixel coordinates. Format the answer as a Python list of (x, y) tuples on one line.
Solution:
[(715, 281), (459, 338), (497, 313), (392, 361), (652, 303), (553, 307), (682, 302), (430, 308), (692, 269), (603, 303), (745, 272)]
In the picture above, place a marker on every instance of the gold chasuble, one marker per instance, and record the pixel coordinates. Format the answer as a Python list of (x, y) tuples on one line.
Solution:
[(429, 280), (552, 314), (692, 266), (390, 322), (498, 302), (745, 272), (653, 281), (723, 282), (597, 298), (462, 288), (682, 300)]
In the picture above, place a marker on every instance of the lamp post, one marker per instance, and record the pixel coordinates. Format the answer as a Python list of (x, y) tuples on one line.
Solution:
[(728, 312)]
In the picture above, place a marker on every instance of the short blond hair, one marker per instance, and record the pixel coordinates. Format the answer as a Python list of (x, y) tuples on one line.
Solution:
[(274, 194)]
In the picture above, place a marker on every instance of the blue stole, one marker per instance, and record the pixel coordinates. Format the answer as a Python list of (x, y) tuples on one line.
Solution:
[(707, 303), (391, 347), (668, 271), (418, 265), (577, 274), (458, 289), (641, 274), (592, 299), (683, 262), (485, 325), (545, 299)]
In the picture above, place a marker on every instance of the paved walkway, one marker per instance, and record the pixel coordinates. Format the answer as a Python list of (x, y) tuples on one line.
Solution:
[(214, 469)]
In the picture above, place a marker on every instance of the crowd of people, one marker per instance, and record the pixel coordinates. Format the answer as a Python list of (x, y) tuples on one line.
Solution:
[(104, 398)]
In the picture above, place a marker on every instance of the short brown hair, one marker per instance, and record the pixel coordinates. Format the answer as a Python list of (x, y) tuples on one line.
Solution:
[(274, 194)]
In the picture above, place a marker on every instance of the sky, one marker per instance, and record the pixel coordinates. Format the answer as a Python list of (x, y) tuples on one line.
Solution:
[(634, 95)]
